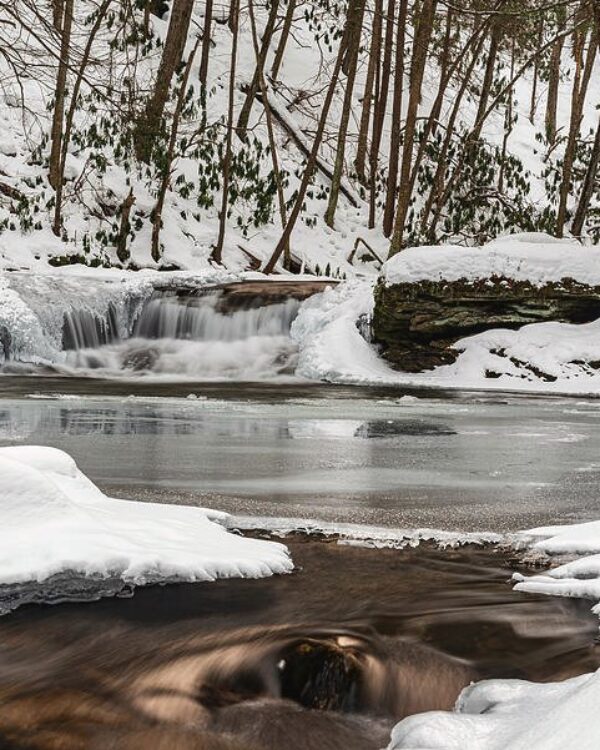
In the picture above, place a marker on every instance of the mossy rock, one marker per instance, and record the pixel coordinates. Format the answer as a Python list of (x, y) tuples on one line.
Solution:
[(416, 324)]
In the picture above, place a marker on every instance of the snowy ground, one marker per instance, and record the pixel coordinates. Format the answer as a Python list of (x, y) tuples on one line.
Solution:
[(53, 521)]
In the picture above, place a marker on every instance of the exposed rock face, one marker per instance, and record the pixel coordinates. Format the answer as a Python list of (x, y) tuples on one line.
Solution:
[(245, 295), (417, 323)]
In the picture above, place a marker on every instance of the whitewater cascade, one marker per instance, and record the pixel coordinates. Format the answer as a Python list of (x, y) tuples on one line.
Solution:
[(75, 326)]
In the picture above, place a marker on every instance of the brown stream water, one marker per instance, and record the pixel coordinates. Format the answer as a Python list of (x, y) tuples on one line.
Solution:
[(328, 658)]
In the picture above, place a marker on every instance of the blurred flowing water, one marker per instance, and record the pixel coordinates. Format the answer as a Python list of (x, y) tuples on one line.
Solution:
[(328, 657)]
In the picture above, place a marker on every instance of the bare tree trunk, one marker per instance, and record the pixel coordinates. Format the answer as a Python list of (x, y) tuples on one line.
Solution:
[(463, 156), (270, 130), (170, 155), (380, 108), (68, 124), (536, 76), (125, 227), (57, 14), (581, 80), (367, 102), (310, 165), (508, 120), (437, 186), (394, 158), (445, 75), (203, 74), (488, 79), (150, 124), (217, 253), (54, 176), (588, 187), (419, 57), (283, 40), (354, 28), (553, 84), (242, 124)]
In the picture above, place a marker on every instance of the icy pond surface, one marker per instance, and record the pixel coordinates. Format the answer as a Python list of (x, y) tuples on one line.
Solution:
[(369, 456)]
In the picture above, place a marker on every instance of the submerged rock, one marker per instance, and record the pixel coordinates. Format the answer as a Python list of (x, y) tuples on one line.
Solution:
[(417, 323)]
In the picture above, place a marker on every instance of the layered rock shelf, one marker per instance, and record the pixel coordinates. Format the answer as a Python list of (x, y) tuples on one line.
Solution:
[(417, 323)]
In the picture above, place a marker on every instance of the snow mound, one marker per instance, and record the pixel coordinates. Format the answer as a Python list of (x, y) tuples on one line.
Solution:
[(510, 715), (54, 520), (580, 577), (542, 357), (537, 258)]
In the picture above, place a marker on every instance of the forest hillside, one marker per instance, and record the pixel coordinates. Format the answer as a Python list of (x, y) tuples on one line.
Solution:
[(321, 136)]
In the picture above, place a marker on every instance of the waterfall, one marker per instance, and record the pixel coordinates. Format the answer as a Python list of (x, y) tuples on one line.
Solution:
[(43, 317), (84, 330), (200, 319), (88, 326)]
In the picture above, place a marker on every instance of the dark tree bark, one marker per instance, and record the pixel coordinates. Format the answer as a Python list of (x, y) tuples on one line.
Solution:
[(380, 108), (354, 28), (488, 78), (583, 72), (394, 157), (58, 116), (270, 130), (57, 14), (68, 124), (536, 75), (367, 102), (283, 40), (419, 57), (587, 191), (310, 165), (150, 125), (125, 227), (553, 84), (204, 56), (217, 253), (170, 155), (242, 125)]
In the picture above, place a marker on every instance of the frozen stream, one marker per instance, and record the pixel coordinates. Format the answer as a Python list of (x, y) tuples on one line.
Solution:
[(373, 457), (364, 636)]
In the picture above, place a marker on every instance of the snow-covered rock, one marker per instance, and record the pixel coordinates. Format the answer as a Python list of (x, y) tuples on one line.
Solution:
[(540, 357), (54, 520), (510, 715), (533, 257)]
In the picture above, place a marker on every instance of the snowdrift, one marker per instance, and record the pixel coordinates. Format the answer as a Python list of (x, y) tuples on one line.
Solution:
[(55, 522), (510, 715), (580, 577), (529, 256)]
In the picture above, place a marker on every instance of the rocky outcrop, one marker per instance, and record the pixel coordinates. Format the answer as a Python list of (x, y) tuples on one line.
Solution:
[(417, 323), (245, 295)]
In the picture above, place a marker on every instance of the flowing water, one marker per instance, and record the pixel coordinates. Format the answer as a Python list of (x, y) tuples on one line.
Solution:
[(124, 330), (328, 657), (367, 629)]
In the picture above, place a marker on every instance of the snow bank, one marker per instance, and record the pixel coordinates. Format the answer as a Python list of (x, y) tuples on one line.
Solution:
[(510, 715), (54, 520), (580, 577), (542, 357), (533, 257)]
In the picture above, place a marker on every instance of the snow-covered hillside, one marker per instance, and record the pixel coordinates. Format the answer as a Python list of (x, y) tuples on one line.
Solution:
[(101, 172)]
